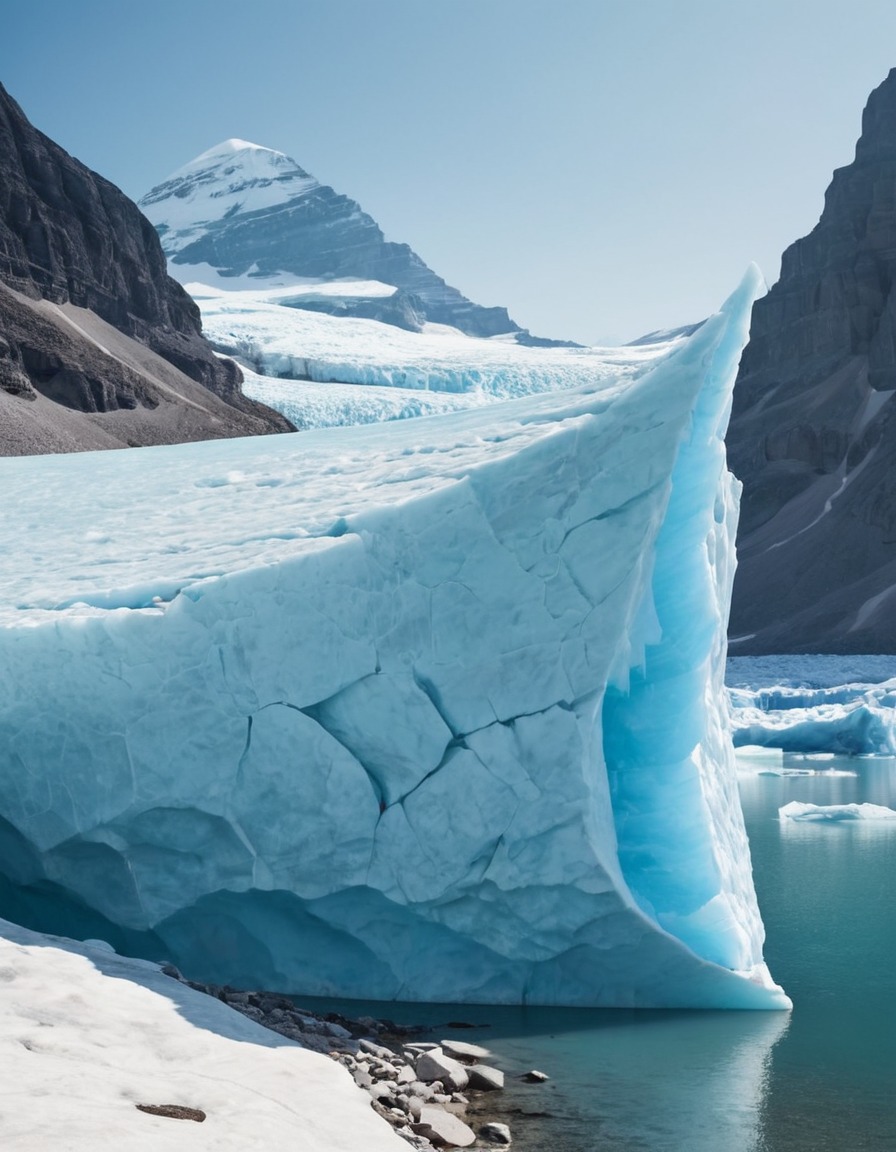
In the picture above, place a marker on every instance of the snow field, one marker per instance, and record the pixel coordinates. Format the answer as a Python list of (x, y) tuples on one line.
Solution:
[(271, 338), (87, 1035)]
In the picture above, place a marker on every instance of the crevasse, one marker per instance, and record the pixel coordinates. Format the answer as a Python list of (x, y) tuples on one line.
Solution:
[(429, 710)]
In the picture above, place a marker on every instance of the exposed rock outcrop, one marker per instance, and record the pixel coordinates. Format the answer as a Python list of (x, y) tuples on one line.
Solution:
[(813, 429), (71, 242)]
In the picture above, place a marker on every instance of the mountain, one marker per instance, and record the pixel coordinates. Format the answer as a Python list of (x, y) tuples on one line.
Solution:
[(99, 347), (813, 426), (243, 210)]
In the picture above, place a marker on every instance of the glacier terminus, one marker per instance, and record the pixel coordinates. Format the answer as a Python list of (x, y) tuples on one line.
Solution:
[(427, 710)]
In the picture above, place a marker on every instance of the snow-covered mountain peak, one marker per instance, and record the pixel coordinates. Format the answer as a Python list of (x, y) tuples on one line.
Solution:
[(240, 210), (232, 178)]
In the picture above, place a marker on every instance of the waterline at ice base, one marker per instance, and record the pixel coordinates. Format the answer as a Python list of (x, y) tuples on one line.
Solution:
[(430, 710)]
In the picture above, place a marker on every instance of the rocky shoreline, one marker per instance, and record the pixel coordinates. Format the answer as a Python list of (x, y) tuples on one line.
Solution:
[(435, 1095)]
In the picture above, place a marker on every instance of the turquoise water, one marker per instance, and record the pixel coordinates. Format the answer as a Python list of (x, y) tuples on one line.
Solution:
[(822, 1079)]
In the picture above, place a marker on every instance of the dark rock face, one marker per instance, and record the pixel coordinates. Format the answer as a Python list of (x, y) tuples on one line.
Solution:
[(70, 382), (13, 377), (813, 427), (69, 237)]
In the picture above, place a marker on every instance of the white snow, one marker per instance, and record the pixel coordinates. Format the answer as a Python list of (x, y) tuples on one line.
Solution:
[(425, 710), (870, 606), (874, 404), (263, 332), (202, 277), (86, 1035)]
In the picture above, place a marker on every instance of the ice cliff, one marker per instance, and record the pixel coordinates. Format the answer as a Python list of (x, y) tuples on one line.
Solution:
[(320, 370), (428, 710)]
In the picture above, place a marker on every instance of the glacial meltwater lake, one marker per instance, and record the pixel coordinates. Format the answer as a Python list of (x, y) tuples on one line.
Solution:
[(819, 1079)]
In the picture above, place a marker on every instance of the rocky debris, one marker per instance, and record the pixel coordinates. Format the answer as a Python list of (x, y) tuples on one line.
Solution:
[(70, 382), (535, 1077), (413, 1084), (486, 1078), (813, 425), (13, 378), (435, 1065), (172, 1111), (68, 235), (495, 1133), (463, 1051), (443, 1129)]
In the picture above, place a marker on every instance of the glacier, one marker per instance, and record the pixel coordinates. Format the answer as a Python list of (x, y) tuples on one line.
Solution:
[(814, 704), (426, 710), (293, 357), (836, 813)]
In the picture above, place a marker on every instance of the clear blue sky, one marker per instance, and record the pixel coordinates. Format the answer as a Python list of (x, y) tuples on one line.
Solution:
[(600, 167)]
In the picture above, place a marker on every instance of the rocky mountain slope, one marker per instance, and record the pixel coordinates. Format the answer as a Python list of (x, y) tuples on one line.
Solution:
[(99, 347), (813, 428), (241, 209)]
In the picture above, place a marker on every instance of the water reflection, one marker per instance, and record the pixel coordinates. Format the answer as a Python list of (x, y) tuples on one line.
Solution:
[(819, 1080), (655, 1082), (621, 1081), (827, 893)]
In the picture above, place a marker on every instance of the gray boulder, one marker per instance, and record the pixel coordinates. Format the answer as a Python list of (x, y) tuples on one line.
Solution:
[(435, 1065), (443, 1128)]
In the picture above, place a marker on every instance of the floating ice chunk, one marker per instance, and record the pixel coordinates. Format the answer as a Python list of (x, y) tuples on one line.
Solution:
[(845, 719), (835, 812)]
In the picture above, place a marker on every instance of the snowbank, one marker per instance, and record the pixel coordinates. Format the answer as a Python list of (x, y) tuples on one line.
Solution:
[(86, 1036)]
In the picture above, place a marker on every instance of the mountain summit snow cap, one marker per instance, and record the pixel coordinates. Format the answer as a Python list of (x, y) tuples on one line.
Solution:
[(240, 152), (235, 176)]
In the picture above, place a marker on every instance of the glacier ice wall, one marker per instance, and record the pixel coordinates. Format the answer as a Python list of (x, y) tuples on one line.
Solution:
[(291, 344), (430, 710)]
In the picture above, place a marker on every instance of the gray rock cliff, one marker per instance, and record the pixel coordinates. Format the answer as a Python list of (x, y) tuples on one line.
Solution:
[(72, 244), (813, 427)]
